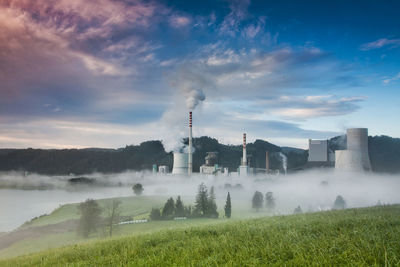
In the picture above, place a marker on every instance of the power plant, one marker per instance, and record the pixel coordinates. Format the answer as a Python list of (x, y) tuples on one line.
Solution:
[(356, 157), (320, 154)]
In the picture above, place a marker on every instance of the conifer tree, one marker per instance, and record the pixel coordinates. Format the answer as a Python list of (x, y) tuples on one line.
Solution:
[(169, 209), (179, 207), (212, 206), (228, 206), (201, 204)]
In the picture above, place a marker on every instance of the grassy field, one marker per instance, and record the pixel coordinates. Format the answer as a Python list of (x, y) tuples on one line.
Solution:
[(39, 234), (135, 207), (363, 237)]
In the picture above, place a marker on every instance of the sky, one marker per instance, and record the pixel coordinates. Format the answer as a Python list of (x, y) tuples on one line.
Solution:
[(111, 73)]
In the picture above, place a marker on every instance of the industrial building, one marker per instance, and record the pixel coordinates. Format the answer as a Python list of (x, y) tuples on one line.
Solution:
[(319, 154), (183, 162), (180, 163), (211, 164), (356, 157)]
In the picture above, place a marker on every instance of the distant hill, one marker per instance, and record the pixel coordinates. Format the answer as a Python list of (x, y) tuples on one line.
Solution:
[(384, 154), (139, 157)]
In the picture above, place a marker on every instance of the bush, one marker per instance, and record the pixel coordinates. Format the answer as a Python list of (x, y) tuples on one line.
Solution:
[(137, 189)]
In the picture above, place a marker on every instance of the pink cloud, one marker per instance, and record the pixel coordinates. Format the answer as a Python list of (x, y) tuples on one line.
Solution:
[(179, 21)]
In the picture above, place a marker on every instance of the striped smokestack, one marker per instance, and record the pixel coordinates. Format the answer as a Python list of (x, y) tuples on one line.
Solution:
[(244, 163), (190, 156)]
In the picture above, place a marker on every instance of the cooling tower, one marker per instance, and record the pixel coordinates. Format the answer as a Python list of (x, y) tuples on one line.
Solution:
[(180, 163), (356, 157)]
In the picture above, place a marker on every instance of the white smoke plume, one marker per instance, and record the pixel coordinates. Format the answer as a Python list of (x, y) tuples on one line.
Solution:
[(284, 161), (191, 81), (194, 97)]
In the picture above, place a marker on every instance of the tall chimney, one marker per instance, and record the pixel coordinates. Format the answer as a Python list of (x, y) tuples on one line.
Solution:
[(266, 161), (244, 163), (190, 158)]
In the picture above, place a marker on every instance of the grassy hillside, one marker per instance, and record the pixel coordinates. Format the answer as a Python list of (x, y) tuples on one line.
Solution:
[(132, 207), (364, 237)]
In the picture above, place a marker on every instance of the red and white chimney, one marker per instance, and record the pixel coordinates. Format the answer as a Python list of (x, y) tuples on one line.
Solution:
[(190, 156), (244, 163)]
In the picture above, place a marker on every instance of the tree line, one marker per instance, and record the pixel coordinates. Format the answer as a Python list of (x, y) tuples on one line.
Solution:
[(204, 206)]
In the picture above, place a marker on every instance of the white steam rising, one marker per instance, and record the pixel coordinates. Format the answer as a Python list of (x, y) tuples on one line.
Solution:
[(193, 98)]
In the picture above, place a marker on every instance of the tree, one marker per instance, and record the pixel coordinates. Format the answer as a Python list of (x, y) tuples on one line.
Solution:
[(228, 206), (258, 200), (169, 209), (113, 213), (297, 210), (155, 214), (201, 204), (188, 211), (212, 206), (269, 201), (137, 189), (179, 208), (90, 217), (339, 203)]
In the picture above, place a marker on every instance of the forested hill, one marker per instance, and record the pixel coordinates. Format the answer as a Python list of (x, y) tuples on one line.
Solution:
[(384, 155), (139, 157)]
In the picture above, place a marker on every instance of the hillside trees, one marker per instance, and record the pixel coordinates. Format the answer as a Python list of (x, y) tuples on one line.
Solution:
[(201, 203), (90, 217), (228, 206), (339, 203), (137, 189), (269, 201), (258, 199), (179, 208), (169, 209), (113, 214), (155, 214)]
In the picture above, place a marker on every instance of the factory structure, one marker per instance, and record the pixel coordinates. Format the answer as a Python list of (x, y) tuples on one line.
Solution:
[(354, 158), (319, 154)]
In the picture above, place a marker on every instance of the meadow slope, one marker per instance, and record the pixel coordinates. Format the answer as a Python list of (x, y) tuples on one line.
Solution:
[(364, 237)]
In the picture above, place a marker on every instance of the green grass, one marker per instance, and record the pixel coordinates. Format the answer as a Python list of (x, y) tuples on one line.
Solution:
[(135, 207), (362, 237)]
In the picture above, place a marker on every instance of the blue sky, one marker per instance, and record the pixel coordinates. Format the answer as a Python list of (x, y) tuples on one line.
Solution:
[(106, 73)]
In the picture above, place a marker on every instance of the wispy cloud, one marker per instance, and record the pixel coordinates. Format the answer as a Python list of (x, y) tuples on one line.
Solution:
[(178, 21), (384, 42), (391, 79)]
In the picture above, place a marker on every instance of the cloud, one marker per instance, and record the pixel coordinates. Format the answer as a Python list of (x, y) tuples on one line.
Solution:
[(238, 13), (177, 21), (391, 43), (306, 107), (394, 78)]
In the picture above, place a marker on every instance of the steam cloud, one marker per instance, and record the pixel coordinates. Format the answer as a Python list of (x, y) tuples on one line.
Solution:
[(194, 97)]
